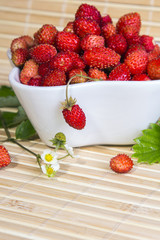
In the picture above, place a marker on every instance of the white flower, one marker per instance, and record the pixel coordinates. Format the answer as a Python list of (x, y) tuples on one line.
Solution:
[(70, 151), (49, 156), (50, 170)]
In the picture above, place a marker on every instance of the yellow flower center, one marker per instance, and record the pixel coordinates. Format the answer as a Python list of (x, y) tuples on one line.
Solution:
[(48, 157), (50, 170)]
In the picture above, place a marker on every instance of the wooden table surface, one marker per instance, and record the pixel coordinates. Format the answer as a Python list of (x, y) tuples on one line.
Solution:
[(86, 200)]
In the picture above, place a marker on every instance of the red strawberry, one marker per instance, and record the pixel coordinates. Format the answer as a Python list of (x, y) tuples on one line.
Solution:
[(153, 68), (97, 74), (77, 60), (118, 43), (106, 19), (18, 43), (108, 30), (90, 41), (67, 41), (120, 73), (4, 157), (137, 61), (43, 53), (46, 34), (121, 163), (29, 40), (44, 68), (141, 77), (84, 26), (62, 61), (19, 56), (69, 27), (134, 40), (78, 79), (155, 53), (101, 57), (88, 12), (30, 69), (55, 78), (129, 25), (73, 114), (35, 81), (133, 48), (147, 42)]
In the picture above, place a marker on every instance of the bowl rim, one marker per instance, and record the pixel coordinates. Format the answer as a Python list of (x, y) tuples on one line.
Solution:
[(16, 70)]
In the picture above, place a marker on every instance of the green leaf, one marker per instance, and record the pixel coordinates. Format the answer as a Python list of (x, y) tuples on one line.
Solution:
[(8, 118), (147, 147), (13, 119), (19, 117), (25, 130), (8, 97)]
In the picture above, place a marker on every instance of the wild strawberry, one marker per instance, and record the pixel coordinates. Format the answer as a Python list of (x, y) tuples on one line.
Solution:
[(84, 26), (101, 57), (133, 48), (147, 42), (137, 61), (46, 34), (30, 69), (120, 73), (67, 41), (19, 56), (77, 60), (73, 114), (55, 77), (106, 19), (118, 43), (129, 25), (43, 53), (97, 74), (88, 12), (155, 53), (90, 41), (141, 77), (78, 79), (121, 163), (29, 40), (62, 61), (43, 69), (108, 30), (4, 157), (134, 40), (153, 68), (35, 81), (18, 43), (69, 27)]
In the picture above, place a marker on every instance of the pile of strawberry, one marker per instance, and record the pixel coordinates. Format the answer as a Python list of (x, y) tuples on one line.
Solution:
[(90, 46)]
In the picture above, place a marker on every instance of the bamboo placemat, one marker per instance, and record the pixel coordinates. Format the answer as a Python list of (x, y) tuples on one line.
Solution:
[(86, 200)]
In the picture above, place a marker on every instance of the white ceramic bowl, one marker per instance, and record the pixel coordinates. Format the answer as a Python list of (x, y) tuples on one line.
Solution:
[(116, 111)]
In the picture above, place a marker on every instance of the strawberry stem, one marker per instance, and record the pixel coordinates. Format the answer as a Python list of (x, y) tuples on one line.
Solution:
[(77, 75)]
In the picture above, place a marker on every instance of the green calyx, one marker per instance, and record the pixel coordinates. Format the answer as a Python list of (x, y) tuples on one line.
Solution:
[(68, 103), (59, 140)]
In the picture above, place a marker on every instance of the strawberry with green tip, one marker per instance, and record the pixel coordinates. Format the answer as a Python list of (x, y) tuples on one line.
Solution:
[(73, 114)]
